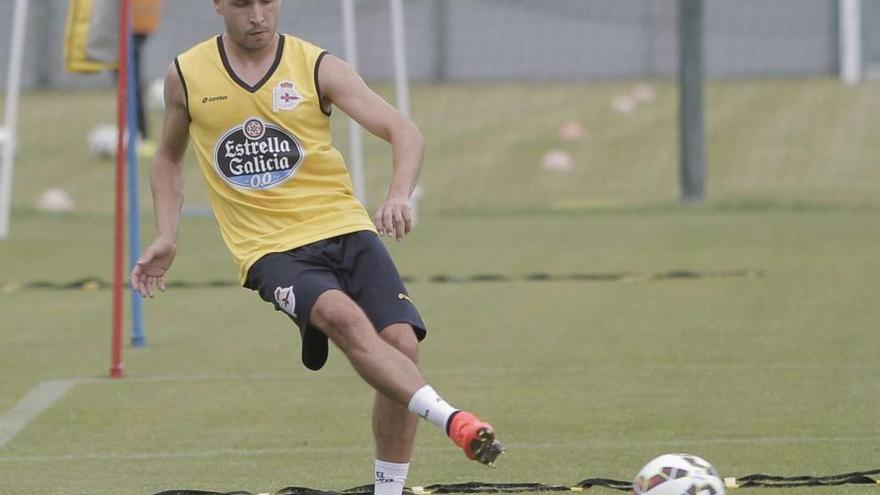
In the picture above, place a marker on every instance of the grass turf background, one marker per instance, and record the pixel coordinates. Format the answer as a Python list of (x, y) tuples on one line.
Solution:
[(759, 374)]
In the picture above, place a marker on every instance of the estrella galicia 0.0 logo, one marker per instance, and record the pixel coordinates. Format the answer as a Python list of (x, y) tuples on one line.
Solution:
[(257, 155)]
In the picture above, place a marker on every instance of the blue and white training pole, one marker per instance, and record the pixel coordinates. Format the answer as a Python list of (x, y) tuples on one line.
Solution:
[(134, 225)]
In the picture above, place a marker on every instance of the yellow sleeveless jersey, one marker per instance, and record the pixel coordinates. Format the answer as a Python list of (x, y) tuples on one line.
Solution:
[(274, 180)]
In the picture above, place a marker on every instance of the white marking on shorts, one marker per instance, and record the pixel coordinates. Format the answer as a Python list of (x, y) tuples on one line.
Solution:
[(286, 300)]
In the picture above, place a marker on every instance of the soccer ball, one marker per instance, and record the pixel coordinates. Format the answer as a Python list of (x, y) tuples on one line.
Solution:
[(55, 200), (678, 474), (102, 141), (558, 161)]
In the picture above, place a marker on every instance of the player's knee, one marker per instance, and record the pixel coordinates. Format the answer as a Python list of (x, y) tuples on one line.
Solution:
[(402, 337), (344, 329)]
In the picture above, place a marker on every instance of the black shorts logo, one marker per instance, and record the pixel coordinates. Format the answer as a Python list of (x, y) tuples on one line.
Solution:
[(257, 155)]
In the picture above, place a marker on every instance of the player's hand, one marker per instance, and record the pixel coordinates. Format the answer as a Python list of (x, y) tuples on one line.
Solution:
[(149, 271), (394, 217)]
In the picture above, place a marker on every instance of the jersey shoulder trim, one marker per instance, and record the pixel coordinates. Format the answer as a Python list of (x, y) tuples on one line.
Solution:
[(325, 109), (185, 91), (314, 54)]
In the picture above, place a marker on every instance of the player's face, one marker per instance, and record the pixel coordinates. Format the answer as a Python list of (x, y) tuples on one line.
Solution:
[(251, 24)]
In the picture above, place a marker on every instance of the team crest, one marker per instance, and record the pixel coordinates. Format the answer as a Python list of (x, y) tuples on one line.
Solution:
[(254, 129), (286, 300), (285, 96)]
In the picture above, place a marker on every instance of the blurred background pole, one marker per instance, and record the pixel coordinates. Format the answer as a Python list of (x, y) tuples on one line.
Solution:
[(355, 134), (44, 65), (8, 133), (440, 12), (134, 224), (851, 41), (692, 126), (401, 80)]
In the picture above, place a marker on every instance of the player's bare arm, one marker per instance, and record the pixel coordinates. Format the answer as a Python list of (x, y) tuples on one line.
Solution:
[(166, 181), (342, 86)]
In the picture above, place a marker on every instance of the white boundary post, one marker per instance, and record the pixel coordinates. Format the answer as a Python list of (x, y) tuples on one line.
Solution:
[(401, 77), (355, 133), (851, 41), (8, 137), (401, 81)]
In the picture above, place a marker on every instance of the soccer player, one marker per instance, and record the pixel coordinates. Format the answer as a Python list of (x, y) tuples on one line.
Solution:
[(257, 104)]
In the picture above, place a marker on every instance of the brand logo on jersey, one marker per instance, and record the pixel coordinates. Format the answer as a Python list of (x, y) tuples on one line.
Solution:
[(257, 155), (286, 300), (285, 97), (212, 99)]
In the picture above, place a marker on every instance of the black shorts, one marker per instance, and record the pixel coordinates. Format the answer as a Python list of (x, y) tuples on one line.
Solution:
[(357, 264)]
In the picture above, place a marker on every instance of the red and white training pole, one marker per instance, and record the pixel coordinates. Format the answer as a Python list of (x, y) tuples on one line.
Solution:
[(116, 366)]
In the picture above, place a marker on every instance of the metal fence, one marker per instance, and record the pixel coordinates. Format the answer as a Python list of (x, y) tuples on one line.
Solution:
[(466, 40)]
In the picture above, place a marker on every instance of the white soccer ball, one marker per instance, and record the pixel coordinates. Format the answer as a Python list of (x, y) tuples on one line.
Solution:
[(624, 104), (102, 141), (678, 474), (558, 161), (55, 200)]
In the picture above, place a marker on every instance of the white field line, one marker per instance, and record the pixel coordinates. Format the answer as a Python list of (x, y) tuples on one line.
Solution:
[(34, 403), (571, 446)]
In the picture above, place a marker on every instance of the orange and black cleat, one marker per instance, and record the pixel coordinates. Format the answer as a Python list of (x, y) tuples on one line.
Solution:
[(475, 437)]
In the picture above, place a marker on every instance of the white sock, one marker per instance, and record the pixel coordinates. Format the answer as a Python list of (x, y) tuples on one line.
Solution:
[(390, 478), (430, 406)]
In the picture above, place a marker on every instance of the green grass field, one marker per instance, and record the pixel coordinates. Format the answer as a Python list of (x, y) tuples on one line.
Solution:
[(774, 372)]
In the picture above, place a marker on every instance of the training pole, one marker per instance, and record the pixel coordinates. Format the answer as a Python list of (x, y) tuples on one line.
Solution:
[(692, 175), (9, 136), (118, 254), (355, 134), (401, 73), (850, 41), (134, 225), (401, 80)]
